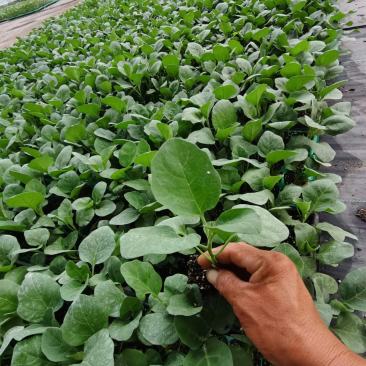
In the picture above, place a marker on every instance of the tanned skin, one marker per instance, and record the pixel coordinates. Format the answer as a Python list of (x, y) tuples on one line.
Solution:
[(275, 308)]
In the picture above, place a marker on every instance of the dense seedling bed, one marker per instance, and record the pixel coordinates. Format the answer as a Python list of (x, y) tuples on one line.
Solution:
[(135, 135)]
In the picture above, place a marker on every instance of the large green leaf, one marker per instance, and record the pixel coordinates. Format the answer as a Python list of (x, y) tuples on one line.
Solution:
[(99, 350), (351, 331), (223, 115), (54, 347), (216, 353), (353, 289), (142, 277), (37, 294), (321, 194), (334, 252), (8, 297), (28, 352), (26, 199), (158, 329), (85, 317), (272, 232), (155, 240), (183, 179), (239, 220), (98, 246)]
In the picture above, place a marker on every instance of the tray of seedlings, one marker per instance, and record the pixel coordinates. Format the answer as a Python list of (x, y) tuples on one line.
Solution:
[(136, 135)]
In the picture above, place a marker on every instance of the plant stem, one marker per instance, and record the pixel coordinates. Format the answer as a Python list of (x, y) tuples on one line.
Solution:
[(225, 245), (204, 254)]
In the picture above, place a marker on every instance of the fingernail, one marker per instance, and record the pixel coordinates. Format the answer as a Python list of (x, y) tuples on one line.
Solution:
[(212, 275)]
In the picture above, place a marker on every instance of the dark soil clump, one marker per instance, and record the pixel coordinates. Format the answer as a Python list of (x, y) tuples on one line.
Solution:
[(361, 214), (197, 275)]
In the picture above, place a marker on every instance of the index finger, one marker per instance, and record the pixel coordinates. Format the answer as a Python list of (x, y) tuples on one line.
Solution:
[(241, 255)]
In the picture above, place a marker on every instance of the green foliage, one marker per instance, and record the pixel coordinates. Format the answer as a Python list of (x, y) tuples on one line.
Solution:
[(135, 134), (21, 8)]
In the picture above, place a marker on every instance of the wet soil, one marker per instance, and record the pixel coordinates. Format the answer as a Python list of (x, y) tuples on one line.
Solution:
[(197, 275)]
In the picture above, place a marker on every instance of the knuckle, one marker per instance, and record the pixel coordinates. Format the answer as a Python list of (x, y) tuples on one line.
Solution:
[(225, 283), (281, 262)]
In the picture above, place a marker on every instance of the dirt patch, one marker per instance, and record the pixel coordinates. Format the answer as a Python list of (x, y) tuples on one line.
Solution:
[(361, 214), (197, 275)]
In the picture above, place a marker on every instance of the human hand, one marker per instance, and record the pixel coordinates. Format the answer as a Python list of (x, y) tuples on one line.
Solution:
[(276, 310)]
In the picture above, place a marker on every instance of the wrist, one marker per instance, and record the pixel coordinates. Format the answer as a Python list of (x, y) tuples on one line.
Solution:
[(324, 349)]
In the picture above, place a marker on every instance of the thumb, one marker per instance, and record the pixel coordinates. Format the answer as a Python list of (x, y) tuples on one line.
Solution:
[(227, 283)]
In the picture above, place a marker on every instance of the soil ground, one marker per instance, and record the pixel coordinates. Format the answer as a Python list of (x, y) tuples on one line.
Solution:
[(21, 27)]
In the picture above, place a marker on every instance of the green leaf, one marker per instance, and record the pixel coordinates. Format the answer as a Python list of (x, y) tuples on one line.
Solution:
[(145, 159), (110, 296), (115, 103), (241, 357), (54, 347), (275, 156), (72, 289), (258, 198), (321, 194), (324, 286), (185, 189), (142, 277), (327, 58), (8, 297), (77, 273), (155, 240), (127, 153), (158, 329), (336, 232), (291, 69), (37, 294), (334, 252), (251, 130), (26, 199), (29, 352), (9, 247), (338, 124), (129, 319), (216, 353), (85, 317), (37, 237), (306, 238), (272, 233), (98, 246), (224, 92), (296, 83), (126, 217), (270, 182), (41, 164), (75, 133), (223, 115), (89, 109), (131, 357), (221, 53), (351, 331), (218, 314), (241, 221), (192, 330), (353, 289), (255, 96), (99, 350), (186, 304), (73, 73), (270, 142)]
